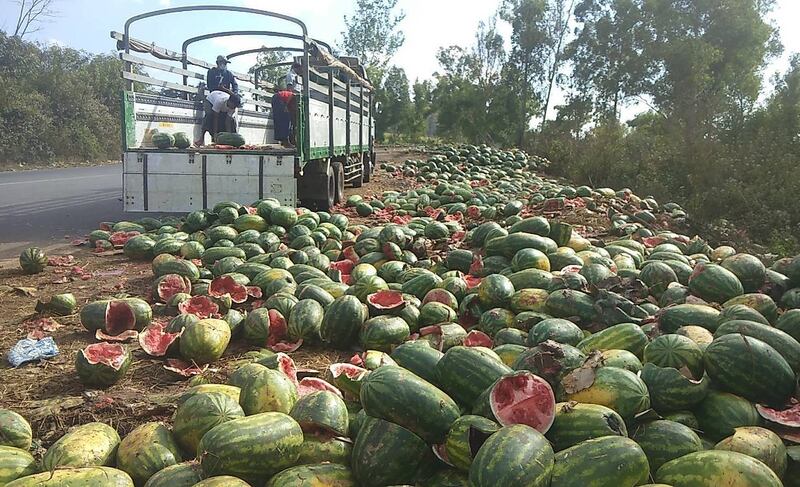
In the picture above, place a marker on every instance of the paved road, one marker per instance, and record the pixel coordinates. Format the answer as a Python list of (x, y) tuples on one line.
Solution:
[(42, 207)]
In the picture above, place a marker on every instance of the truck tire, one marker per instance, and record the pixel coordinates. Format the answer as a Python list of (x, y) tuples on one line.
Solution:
[(327, 201), (338, 171), (367, 170)]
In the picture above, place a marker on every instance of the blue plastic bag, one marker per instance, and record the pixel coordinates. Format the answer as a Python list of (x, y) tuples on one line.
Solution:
[(27, 350)]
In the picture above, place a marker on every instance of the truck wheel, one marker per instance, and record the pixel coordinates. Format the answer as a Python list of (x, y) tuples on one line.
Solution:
[(329, 201), (367, 170), (338, 171)]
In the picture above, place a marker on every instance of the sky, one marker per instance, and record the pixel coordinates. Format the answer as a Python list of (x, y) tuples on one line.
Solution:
[(429, 25)]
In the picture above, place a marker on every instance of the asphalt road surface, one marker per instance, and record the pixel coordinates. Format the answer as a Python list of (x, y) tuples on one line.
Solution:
[(54, 206)]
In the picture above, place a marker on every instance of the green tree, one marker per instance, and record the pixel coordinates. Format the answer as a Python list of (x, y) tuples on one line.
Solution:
[(396, 111), (372, 34), (274, 74)]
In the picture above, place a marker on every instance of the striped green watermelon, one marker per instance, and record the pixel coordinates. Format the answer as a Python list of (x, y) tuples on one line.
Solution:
[(383, 332), (495, 290), (205, 341), (342, 322), (749, 367), (146, 450), (624, 464), (716, 468), (15, 431), (789, 322), (85, 477), (418, 357), (566, 303), (672, 391), (624, 336), (720, 413), (465, 372), (759, 302), (465, 438), (267, 390), (397, 395), (759, 443), (88, 445), (329, 474), (556, 329), (388, 454), (15, 463), (618, 389), (576, 422), (514, 455), (321, 411), (782, 342), (664, 440), (748, 268), (673, 317), (322, 447), (714, 283), (201, 412), (32, 260), (622, 359), (253, 447), (675, 351)]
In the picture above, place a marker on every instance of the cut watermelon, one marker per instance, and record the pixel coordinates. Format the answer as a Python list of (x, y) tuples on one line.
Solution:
[(287, 366), (307, 385), (171, 284), (477, 338), (201, 306), (122, 337), (183, 368), (441, 453), (119, 239), (156, 341), (348, 377), (278, 340), (387, 300), (110, 354), (254, 292), (223, 286), (523, 398), (119, 317), (788, 416), (472, 281)]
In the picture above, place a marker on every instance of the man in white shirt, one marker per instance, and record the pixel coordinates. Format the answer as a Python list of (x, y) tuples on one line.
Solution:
[(293, 80), (220, 112)]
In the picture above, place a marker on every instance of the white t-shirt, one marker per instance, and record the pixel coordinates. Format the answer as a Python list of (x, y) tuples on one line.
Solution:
[(219, 102)]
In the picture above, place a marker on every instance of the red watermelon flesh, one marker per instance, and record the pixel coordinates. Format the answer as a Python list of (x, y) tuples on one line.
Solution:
[(440, 296), (172, 284), (476, 267), (119, 317), (183, 368), (156, 341), (119, 239), (477, 338), (110, 354), (523, 398), (435, 330), (386, 300), (287, 366), (278, 340), (227, 285), (122, 337), (201, 306), (308, 385), (254, 292), (472, 281), (350, 255), (789, 416)]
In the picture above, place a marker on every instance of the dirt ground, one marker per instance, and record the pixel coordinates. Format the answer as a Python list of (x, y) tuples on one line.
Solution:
[(49, 394)]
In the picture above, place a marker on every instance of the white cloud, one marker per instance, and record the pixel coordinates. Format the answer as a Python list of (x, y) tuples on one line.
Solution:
[(165, 3)]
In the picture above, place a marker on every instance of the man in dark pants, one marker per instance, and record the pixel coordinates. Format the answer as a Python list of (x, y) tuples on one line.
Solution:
[(220, 77), (283, 109)]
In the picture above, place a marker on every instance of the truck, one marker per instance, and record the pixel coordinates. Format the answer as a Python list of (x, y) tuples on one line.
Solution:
[(164, 91)]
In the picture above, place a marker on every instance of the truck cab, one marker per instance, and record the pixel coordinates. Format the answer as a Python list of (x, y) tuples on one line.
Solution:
[(164, 92)]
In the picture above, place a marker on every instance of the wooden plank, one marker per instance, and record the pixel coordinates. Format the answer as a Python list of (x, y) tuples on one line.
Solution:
[(160, 66)]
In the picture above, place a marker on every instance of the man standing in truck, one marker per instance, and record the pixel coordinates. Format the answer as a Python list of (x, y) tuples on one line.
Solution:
[(283, 106), (219, 77)]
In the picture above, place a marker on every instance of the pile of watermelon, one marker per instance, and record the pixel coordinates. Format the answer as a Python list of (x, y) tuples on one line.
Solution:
[(492, 344)]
